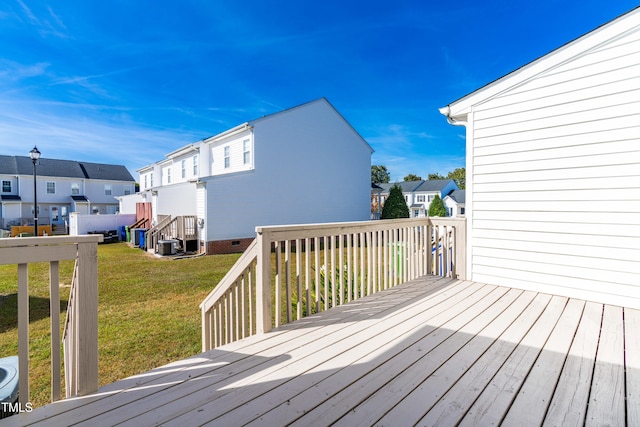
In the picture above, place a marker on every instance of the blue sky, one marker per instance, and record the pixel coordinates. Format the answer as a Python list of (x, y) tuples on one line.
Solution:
[(126, 82)]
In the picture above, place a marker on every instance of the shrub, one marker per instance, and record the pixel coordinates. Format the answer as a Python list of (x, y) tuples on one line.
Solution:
[(395, 205)]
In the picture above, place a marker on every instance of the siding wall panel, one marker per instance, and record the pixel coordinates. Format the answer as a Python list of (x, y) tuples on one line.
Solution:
[(556, 195)]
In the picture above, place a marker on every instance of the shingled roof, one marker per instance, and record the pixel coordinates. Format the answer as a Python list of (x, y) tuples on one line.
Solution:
[(22, 165)]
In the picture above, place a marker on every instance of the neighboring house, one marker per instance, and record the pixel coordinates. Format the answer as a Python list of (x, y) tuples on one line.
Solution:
[(553, 167), (286, 168), (63, 186), (454, 203), (417, 194)]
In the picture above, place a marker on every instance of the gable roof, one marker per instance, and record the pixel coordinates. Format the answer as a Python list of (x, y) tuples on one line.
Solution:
[(458, 196), (405, 186), (432, 185), (322, 100), (457, 111), (23, 165)]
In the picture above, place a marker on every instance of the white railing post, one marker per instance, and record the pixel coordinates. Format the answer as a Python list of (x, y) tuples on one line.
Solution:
[(263, 282), (87, 318)]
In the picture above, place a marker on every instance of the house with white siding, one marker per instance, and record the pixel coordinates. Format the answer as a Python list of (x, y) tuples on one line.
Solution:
[(418, 195), (454, 202), (63, 186), (553, 170), (285, 168)]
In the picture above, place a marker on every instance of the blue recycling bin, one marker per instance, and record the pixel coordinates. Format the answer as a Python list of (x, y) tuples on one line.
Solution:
[(123, 233), (142, 244)]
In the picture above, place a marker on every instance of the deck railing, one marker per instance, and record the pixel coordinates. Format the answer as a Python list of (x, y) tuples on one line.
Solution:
[(182, 228), (290, 272), (81, 329)]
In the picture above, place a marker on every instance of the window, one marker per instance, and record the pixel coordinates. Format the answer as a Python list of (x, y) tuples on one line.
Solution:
[(151, 177), (420, 198), (246, 151), (6, 186), (195, 165), (107, 189), (127, 190), (75, 188), (183, 166), (227, 159), (51, 188), (145, 181), (431, 196), (168, 175)]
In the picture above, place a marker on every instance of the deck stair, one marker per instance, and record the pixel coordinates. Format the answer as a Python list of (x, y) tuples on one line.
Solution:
[(181, 228)]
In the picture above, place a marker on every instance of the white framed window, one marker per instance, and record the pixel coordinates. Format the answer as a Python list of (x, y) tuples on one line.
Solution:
[(195, 165), (151, 177), (183, 167), (75, 188), (6, 186), (127, 190), (168, 175), (431, 196), (146, 182), (227, 158), (51, 187), (246, 151), (420, 198), (107, 189)]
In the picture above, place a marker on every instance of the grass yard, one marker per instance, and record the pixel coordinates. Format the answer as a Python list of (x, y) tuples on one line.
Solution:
[(148, 312)]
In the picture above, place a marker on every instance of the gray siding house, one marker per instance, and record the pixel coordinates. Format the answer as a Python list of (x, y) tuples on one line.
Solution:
[(63, 186)]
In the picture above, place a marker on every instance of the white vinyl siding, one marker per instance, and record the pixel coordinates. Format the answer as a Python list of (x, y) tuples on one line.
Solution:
[(230, 154), (555, 163)]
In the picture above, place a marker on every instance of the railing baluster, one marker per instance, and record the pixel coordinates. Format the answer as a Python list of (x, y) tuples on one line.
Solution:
[(376, 255), (278, 287), (307, 275), (287, 277), (54, 309), (299, 278)]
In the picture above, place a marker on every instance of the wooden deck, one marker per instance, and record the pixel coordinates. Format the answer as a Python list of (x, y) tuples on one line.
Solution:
[(430, 352)]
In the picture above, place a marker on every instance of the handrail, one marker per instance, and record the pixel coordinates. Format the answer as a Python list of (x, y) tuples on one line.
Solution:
[(234, 283), (319, 266), (181, 228), (82, 315)]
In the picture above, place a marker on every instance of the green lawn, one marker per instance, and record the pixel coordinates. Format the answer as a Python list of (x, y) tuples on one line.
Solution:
[(148, 311)]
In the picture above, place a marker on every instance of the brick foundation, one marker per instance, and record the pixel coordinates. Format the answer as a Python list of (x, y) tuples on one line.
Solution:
[(228, 246)]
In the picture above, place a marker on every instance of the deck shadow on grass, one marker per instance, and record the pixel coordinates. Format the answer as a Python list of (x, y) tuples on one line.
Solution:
[(38, 310)]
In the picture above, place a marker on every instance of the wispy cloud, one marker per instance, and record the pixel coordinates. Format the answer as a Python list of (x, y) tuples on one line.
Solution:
[(16, 71), (404, 150), (81, 137), (49, 25)]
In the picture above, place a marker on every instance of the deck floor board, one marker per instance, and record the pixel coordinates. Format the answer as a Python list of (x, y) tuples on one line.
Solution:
[(432, 351)]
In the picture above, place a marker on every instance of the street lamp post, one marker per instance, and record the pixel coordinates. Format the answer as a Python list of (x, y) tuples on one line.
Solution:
[(35, 155)]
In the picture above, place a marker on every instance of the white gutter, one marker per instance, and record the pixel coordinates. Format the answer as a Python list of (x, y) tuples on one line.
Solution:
[(446, 111)]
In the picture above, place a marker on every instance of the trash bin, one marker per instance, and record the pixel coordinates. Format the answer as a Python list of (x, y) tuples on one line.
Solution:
[(142, 232), (127, 233), (8, 385), (122, 233)]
